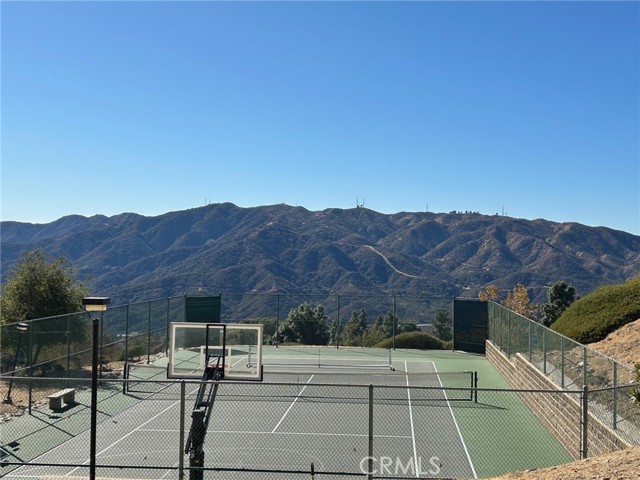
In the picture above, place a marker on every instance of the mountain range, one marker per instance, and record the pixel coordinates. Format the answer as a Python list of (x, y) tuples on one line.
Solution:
[(285, 249)]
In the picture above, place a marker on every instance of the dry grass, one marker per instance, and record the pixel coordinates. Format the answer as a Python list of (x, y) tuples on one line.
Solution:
[(620, 465), (20, 398), (623, 344), (39, 393)]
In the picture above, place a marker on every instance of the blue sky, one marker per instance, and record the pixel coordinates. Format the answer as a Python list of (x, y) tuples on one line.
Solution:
[(528, 108)]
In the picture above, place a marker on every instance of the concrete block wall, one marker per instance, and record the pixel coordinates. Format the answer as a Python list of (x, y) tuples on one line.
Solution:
[(560, 412)]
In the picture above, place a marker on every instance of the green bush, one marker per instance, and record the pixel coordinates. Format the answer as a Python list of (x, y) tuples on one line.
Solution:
[(592, 317), (419, 340)]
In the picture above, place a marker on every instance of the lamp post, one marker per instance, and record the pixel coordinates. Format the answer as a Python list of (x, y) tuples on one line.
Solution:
[(22, 328), (91, 305)]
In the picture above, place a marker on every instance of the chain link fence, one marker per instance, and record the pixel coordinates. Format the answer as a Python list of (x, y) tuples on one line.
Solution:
[(60, 346), (330, 426), (292, 426), (572, 366)]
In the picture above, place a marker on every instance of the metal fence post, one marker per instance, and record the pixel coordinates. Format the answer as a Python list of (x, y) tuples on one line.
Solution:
[(30, 353), (181, 442), (491, 321), (277, 316), (393, 322), (126, 342), (562, 362), (585, 377), (68, 335), (502, 312), (475, 386), (509, 335), (149, 333), (615, 395), (101, 359), (370, 459), (584, 425), (453, 324), (184, 307), (544, 352), (166, 337), (337, 331), (94, 398), (530, 335), (499, 330)]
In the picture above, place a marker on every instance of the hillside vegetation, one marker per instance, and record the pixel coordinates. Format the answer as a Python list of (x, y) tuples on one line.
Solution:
[(592, 317), (291, 250), (417, 340)]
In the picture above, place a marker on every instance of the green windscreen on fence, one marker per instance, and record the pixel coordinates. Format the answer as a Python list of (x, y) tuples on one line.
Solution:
[(469, 325), (203, 309)]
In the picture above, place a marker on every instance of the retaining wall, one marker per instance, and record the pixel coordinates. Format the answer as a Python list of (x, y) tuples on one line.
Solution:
[(561, 412)]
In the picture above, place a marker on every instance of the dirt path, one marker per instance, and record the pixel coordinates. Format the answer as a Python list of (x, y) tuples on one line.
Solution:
[(391, 265)]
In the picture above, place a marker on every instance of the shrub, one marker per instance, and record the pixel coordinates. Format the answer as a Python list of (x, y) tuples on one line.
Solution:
[(419, 340), (592, 317)]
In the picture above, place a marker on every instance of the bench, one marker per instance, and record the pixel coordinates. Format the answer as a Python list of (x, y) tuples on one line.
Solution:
[(68, 395)]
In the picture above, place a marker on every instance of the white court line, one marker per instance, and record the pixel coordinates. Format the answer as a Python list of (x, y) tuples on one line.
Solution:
[(464, 445), (413, 432), (10, 474), (131, 432), (239, 360), (291, 406)]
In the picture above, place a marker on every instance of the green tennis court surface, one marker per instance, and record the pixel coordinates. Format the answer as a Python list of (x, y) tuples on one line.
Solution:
[(293, 419)]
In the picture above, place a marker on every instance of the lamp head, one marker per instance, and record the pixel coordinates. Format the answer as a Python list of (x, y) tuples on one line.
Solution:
[(95, 304)]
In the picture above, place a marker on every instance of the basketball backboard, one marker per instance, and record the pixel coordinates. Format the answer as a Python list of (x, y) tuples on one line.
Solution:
[(238, 346)]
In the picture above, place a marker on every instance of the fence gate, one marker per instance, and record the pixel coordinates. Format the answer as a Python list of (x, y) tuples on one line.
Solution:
[(469, 325)]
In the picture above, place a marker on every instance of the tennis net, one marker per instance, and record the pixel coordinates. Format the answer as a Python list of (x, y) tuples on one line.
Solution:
[(326, 357), (391, 388)]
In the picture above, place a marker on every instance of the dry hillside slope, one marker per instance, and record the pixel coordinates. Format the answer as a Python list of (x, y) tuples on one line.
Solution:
[(623, 344), (620, 465)]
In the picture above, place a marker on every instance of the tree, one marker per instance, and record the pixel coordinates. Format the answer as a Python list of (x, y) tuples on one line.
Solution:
[(490, 293), (305, 324), (406, 326), (442, 325), (355, 328), (38, 288), (518, 301), (560, 296), (268, 328), (382, 328)]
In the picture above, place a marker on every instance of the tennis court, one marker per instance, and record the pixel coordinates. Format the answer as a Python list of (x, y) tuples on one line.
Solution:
[(336, 412)]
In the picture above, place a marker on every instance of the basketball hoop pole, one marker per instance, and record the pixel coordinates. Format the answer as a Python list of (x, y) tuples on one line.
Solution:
[(213, 372)]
